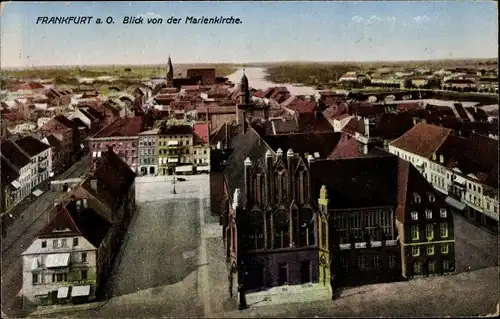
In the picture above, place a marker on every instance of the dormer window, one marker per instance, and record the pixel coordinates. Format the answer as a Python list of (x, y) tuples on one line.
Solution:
[(428, 214), (441, 159), (442, 212), (432, 198), (416, 198), (414, 215), (433, 157)]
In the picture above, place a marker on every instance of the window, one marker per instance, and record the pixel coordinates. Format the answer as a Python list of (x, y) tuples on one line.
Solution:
[(84, 257), (64, 243), (428, 214), (432, 266), (446, 265), (392, 261), (443, 230), (442, 212), (44, 244), (34, 278), (415, 232), (432, 198), (416, 198), (445, 248), (430, 250), (417, 267), (59, 277), (84, 274), (429, 230), (376, 261), (415, 251), (55, 244), (362, 262), (414, 215)]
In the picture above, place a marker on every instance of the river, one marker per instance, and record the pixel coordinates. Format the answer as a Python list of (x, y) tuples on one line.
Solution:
[(256, 80)]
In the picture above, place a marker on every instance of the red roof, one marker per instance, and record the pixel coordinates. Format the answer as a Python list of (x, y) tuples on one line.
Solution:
[(201, 130), (302, 106), (127, 126), (61, 224), (31, 86)]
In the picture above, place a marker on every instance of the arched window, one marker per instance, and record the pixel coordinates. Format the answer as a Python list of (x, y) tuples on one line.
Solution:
[(255, 230), (280, 186), (258, 188), (281, 229), (306, 228), (301, 186)]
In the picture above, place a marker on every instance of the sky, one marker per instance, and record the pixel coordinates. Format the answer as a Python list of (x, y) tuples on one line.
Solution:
[(269, 32)]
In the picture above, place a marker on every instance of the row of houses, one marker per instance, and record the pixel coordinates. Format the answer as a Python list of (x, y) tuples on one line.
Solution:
[(463, 169), (160, 150), (70, 260)]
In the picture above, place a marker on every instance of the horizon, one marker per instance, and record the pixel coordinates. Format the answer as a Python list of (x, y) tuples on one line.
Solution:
[(271, 32), (249, 64)]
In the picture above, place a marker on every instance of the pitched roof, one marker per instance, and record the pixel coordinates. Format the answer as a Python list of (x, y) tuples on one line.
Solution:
[(61, 224), (349, 147), (54, 142), (31, 145), (114, 172), (423, 139), (126, 126), (14, 154), (7, 173), (91, 225), (410, 181), (201, 130), (64, 121), (243, 146), (310, 143), (357, 182)]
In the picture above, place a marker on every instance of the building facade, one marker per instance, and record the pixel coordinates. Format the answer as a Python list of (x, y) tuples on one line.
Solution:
[(148, 153), (175, 144)]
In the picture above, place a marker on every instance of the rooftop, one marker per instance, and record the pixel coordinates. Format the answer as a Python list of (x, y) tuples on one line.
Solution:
[(31, 145), (126, 126)]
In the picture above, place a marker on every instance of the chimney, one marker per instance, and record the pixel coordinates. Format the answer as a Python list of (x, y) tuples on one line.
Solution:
[(367, 127), (93, 184)]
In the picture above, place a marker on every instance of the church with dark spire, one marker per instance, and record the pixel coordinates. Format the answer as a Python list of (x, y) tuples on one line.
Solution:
[(170, 73), (245, 105)]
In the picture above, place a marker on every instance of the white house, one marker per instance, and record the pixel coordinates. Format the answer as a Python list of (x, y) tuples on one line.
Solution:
[(464, 169), (62, 264), (40, 158), (20, 161)]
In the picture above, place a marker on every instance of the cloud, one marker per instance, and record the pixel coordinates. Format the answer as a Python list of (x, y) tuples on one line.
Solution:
[(150, 15), (373, 19), (420, 19)]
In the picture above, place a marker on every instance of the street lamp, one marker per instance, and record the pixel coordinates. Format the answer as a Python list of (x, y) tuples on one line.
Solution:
[(173, 181)]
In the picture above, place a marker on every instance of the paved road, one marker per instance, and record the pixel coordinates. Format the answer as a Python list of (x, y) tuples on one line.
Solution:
[(21, 233), (475, 248), (467, 294)]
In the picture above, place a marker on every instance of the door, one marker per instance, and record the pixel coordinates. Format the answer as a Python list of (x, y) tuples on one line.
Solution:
[(283, 274), (305, 272)]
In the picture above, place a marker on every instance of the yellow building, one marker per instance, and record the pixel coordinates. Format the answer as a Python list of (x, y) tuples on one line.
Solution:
[(175, 144)]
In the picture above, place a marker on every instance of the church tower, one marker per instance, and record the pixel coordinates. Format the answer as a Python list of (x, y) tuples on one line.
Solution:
[(245, 102), (170, 73)]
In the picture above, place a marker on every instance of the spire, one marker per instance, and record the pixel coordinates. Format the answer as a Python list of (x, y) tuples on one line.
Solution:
[(170, 72), (244, 90)]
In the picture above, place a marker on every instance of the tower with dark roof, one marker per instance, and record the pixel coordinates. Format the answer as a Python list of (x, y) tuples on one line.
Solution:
[(170, 73), (245, 104)]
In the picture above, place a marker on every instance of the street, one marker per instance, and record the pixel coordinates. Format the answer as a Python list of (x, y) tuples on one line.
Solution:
[(172, 264), (29, 220)]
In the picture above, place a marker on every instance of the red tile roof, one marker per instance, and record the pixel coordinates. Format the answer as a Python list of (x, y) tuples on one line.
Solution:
[(202, 131), (423, 139), (127, 126), (31, 86)]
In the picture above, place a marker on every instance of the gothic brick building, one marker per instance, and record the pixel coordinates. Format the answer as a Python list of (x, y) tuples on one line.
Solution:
[(296, 213)]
